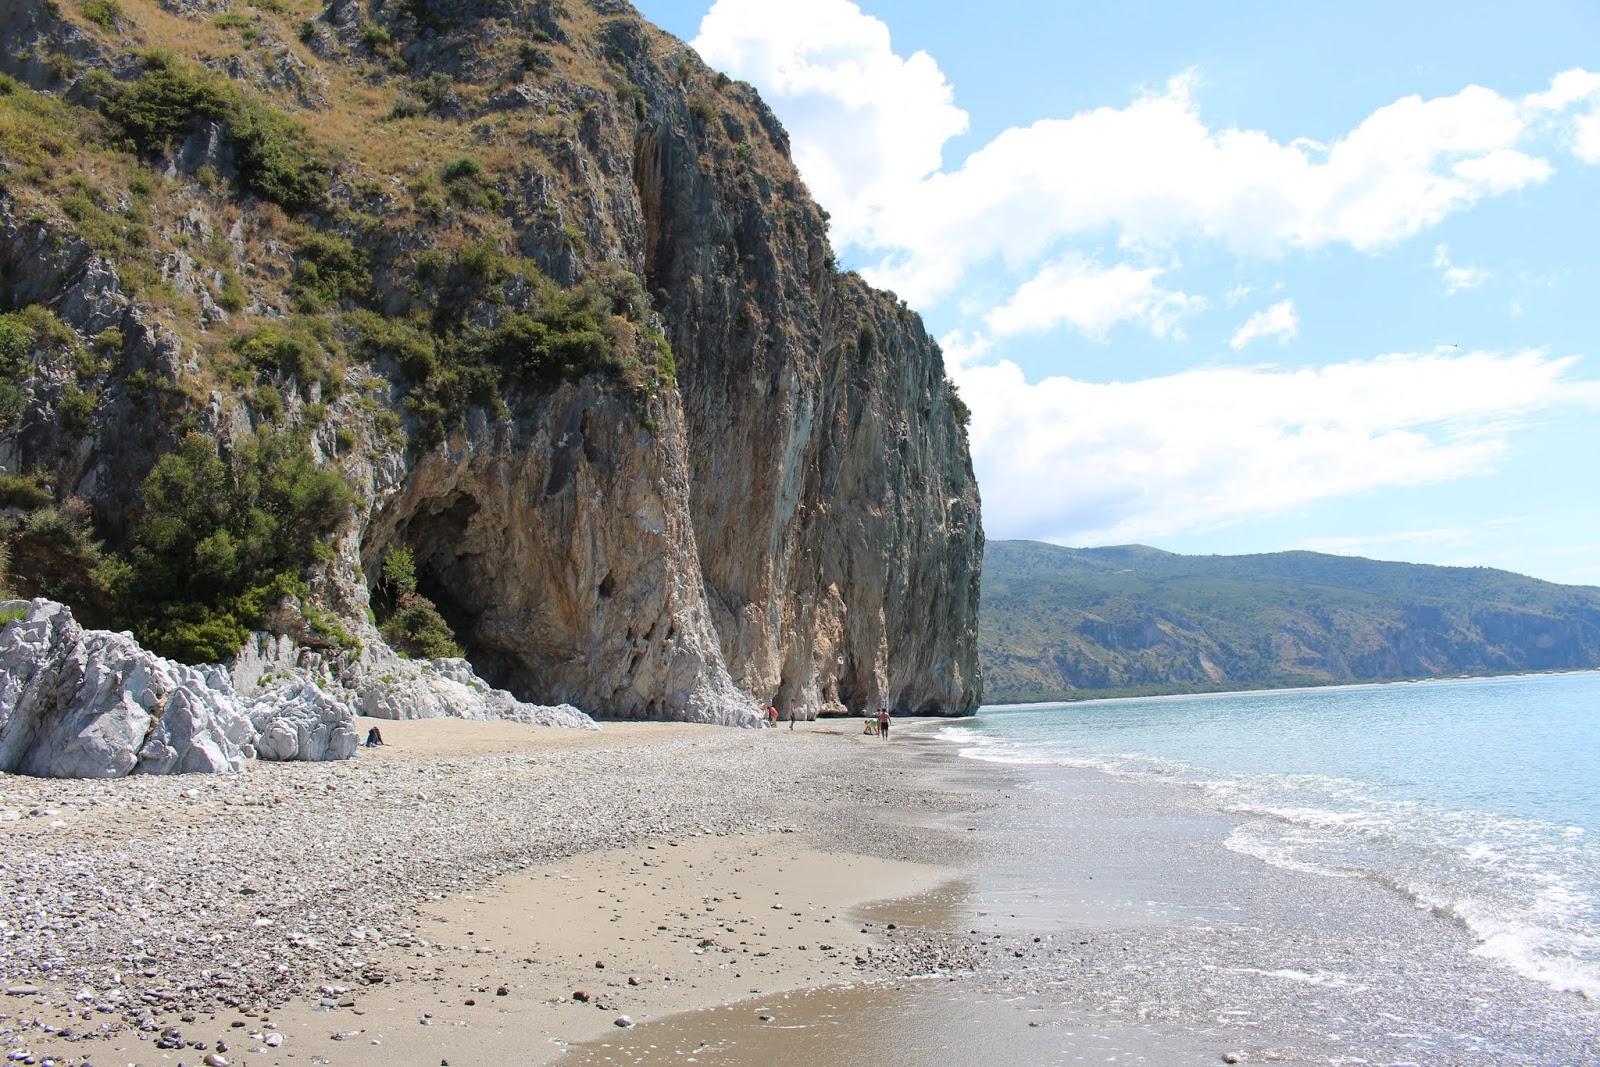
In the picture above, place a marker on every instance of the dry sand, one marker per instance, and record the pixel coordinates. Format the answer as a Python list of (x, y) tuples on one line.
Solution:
[(427, 739), (709, 896), (558, 955)]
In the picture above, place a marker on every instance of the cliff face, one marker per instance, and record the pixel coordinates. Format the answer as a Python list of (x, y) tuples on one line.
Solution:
[(550, 297), (1063, 623)]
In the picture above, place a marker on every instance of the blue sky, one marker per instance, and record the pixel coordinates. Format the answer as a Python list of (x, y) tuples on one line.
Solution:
[(1091, 203)]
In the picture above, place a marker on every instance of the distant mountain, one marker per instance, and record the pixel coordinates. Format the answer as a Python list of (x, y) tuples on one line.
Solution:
[(1063, 623)]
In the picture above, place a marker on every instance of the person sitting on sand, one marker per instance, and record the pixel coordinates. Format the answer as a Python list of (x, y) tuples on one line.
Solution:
[(374, 738), (883, 723)]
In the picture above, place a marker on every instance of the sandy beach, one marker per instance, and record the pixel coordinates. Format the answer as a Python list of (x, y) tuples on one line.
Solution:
[(478, 894), (453, 893)]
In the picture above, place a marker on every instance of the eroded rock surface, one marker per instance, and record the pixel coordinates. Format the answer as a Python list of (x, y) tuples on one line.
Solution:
[(78, 703), (385, 685), (302, 721)]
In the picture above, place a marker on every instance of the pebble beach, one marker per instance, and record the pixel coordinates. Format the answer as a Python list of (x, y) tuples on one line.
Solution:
[(195, 918)]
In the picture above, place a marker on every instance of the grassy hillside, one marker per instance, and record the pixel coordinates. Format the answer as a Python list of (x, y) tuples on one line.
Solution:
[(1062, 623)]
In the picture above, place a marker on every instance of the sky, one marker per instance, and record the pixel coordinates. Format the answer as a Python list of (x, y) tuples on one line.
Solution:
[(1235, 277)]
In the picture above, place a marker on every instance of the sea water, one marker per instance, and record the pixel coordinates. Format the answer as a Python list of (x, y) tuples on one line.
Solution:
[(1478, 799)]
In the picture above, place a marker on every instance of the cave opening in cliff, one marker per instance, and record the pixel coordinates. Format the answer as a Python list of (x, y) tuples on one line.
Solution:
[(455, 577)]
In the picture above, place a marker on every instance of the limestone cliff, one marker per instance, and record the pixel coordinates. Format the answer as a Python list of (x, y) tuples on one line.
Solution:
[(544, 290)]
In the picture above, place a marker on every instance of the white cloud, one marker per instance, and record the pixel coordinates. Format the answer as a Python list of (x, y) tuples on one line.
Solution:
[(1154, 172), (961, 348), (1453, 539), (1280, 321), (1090, 463), (1093, 298), (1567, 91), (1586, 137), (864, 122), (1457, 278), (1570, 87), (869, 128)]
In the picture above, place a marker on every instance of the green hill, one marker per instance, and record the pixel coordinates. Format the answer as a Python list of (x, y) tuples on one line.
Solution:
[(1067, 623)]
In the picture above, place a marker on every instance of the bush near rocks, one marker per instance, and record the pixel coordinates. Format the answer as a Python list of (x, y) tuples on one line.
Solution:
[(221, 540), (411, 622), (171, 99)]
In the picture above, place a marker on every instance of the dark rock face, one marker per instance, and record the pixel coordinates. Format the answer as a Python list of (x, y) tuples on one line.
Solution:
[(792, 520)]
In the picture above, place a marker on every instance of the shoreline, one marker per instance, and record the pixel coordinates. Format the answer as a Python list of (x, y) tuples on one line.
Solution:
[(1018, 914), (1105, 918), (1217, 693)]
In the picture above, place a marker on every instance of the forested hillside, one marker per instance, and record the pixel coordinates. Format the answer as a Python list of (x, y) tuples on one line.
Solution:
[(1069, 623)]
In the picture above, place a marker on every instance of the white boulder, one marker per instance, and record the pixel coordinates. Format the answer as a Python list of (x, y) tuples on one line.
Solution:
[(302, 721), (78, 703)]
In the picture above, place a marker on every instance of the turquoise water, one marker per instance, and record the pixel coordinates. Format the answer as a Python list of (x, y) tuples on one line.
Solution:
[(1479, 799)]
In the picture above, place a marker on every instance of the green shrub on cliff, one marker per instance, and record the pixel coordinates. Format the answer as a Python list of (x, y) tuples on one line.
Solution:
[(328, 269), (23, 491), (411, 622), (103, 13), (170, 99), (958, 406), (221, 539), (16, 343), (468, 186), (53, 549), (293, 351)]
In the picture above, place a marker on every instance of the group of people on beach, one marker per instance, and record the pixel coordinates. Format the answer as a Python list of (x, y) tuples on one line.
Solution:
[(877, 724)]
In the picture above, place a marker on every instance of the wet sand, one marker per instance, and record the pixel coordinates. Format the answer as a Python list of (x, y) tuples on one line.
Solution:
[(1107, 921)]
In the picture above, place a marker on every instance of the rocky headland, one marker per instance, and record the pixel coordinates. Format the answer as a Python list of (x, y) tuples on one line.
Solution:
[(455, 358)]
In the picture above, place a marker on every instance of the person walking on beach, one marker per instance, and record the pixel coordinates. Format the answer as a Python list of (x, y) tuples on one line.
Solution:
[(883, 723), (772, 716)]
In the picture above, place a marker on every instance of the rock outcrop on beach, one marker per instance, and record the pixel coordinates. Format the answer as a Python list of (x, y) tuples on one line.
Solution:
[(1062, 622), (302, 721), (379, 683), (78, 703), (547, 295), (82, 703)]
